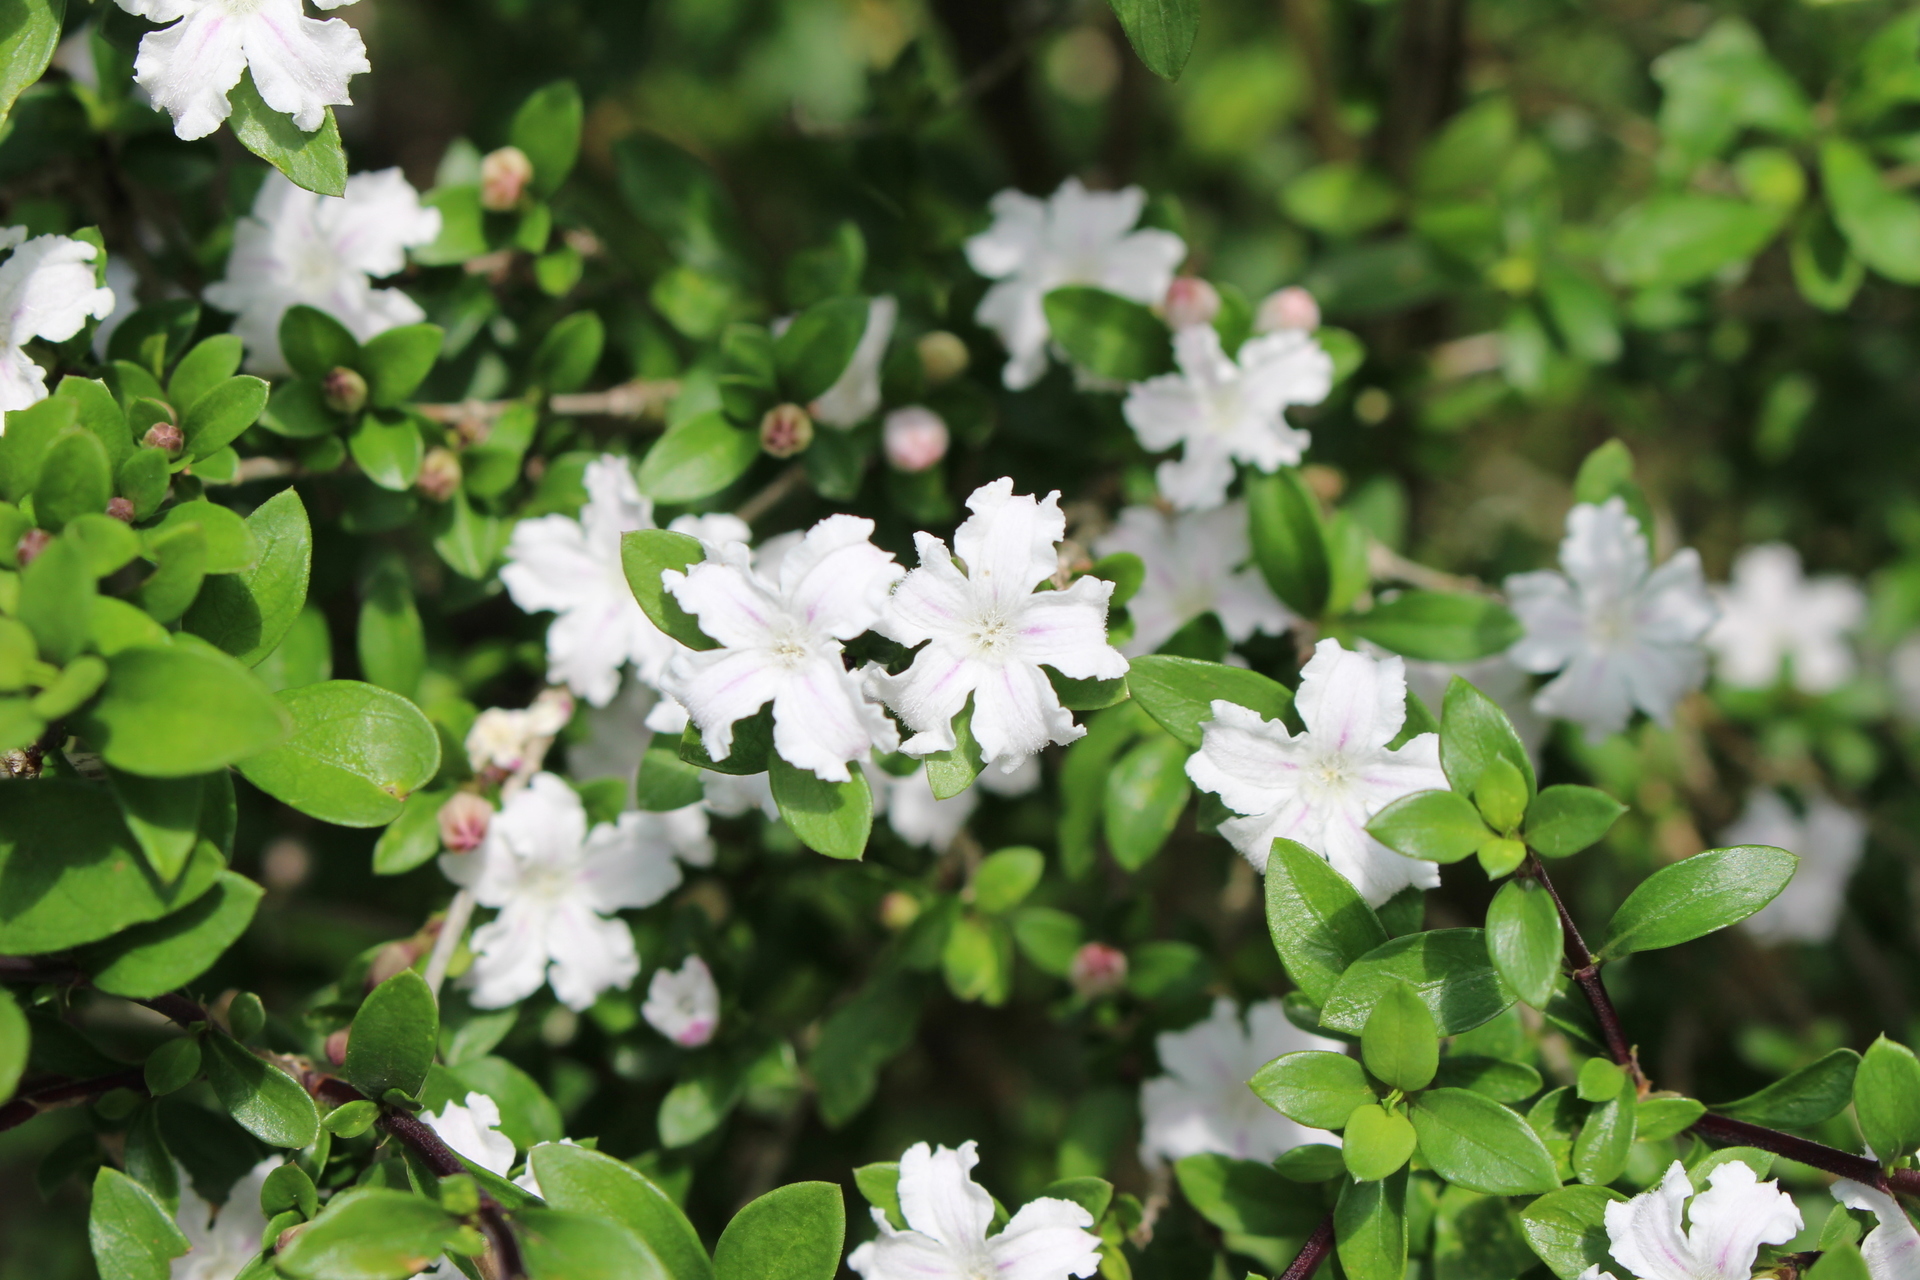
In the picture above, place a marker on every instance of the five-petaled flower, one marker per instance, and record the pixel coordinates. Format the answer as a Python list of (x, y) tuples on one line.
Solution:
[(1196, 563), (948, 1214), (780, 635), (988, 631), (300, 65), (1203, 1103), (1077, 237), (1224, 410), (684, 1004), (1892, 1248), (1772, 612), (1726, 1225), (301, 249), (1620, 633), (557, 886), (1321, 787), (47, 290)]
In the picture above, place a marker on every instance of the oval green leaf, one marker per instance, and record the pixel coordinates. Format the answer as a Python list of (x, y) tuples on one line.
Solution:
[(356, 753)]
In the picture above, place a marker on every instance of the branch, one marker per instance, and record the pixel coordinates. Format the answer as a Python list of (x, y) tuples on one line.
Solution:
[(1585, 970), (1384, 562), (640, 398), (774, 494), (72, 1094), (1311, 1254), (1738, 1133)]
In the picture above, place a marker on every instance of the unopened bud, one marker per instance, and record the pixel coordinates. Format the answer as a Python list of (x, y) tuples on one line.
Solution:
[(439, 474), (1098, 970), (31, 544), (1190, 301), (914, 438), (337, 1046), (464, 819), (786, 430), (287, 1237), (504, 176), (1288, 308), (344, 390), (164, 435), (898, 910), (943, 357), (120, 509), (395, 957)]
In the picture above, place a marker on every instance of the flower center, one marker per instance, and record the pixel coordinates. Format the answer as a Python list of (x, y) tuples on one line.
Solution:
[(546, 881), (314, 264), (1329, 779), (790, 647), (991, 635), (243, 8)]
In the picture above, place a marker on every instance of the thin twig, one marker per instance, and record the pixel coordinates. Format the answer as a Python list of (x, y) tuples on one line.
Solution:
[(1311, 1254), (640, 398), (72, 1094), (1585, 970), (1730, 1132), (452, 928), (774, 494), (1385, 562)]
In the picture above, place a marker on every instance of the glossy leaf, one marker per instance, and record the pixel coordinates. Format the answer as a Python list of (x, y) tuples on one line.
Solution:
[(1601, 1148), (1376, 1142), (1318, 921), (1524, 940), (793, 1233), (1436, 626), (152, 959), (1313, 1087), (1438, 826), (1370, 1229), (1449, 970), (370, 1233), (395, 1034), (1568, 1230), (582, 1181), (1115, 337), (547, 129), (834, 818), (1246, 1197), (1146, 793), (217, 418), (1473, 730), (1474, 1142), (248, 613), (356, 753), (699, 457), (1289, 541), (169, 712), (314, 160), (132, 1234), (396, 362), (1179, 693), (1565, 819), (29, 33), (1399, 1044), (15, 1041), (647, 553), (1161, 32), (266, 1101), (1886, 1099), (1815, 1093), (573, 1246), (1698, 896)]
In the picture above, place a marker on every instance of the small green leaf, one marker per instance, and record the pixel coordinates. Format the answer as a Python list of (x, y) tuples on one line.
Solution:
[(818, 346), (1315, 1087), (1004, 879), (1447, 968), (1434, 626), (1376, 1142), (793, 1233), (1698, 896), (210, 363), (1599, 1080), (1524, 940), (394, 1037), (15, 1041), (1289, 540), (1399, 1044), (572, 1246), (1160, 31), (977, 960), (1501, 794), (953, 771), (388, 448), (356, 753), (1474, 1142), (1246, 1197), (1605, 1140), (1319, 923), (76, 479), (217, 418), (370, 1233), (30, 36), (547, 128), (231, 546), (582, 1181), (701, 456), (1840, 1262), (1498, 1079), (1179, 693), (1815, 1093), (666, 782), (1658, 1118), (391, 640), (647, 553), (1568, 1229), (1679, 238), (314, 160), (1473, 731), (132, 1233), (1438, 826), (1886, 1099), (1881, 225), (1565, 819), (169, 711), (149, 960), (173, 1066), (1146, 793), (249, 613), (568, 354), (834, 818), (396, 362), (1370, 1229), (412, 839), (1115, 337), (749, 753), (266, 1101), (316, 344)]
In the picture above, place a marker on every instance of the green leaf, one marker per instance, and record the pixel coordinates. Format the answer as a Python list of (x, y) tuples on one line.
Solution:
[(1115, 337), (1319, 923), (1886, 1099), (701, 456), (1825, 270), (1473, 731), (210, 363), (370, 1233), (57, 594), (29, 33), (977, 961), (142, 480), (793, 1233), (396, 362), (1246, 1197), (1840, 1262), (951, 772), (859, 1038), (1658, 1118), (1697, 896), (152, 959), (394, 1037), (1447, 968), (547, 129), (1376, 1143), (1179, 693), (582, 1181), (647, 553), (388, 448), (217, 418), (1606, 1139), (1524, 940), (750, 752), (1474, 1142), (356, 753), (231, 546), (1568, 1229), (1399, 1044), (132, 1233), (1565, 819), (172, 1066), (1501, 794), (818, 346), (1289, 540), (1881, 226), (1004, 878), (391, 640), (1087, 695), (15, 1041), (834, 818), (1315, 1087), (249, 613), (568, 354), (169, 711), (1435, 626), (1498, 1079), (1161, 32), (76, 479), (1049, 938), (180, 555), (666, 782), (315, 344), (266, 1101), (1370, 1229), (1438, 826), (314, 160), (572, 1246), (1812, 1095), (1682, 237), (527, 1114), (1146, 793), (413, 838)]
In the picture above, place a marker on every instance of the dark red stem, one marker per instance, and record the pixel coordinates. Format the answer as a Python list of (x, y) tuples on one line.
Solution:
[(1585, 970), (1738, 1133), (72, 1094), (1313, 1253)]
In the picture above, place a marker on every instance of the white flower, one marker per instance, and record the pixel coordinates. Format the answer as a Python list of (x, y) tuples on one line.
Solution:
[(990, 630), (1620, 636), (1322, 787), (1771, 612), (1892, 1249), (947, 1216), (1829, 840), (1223, 410), (912, 811), (572, 567), (1510, 688), (300, 65), (1078, 237), (1194, 566), (781, 643), (510, 739), (221, 1241), (684, 1005), (855, 395), (1203, 1103), (299, 248), (47, 290), (1728, 1223), (730, 795), (472, 1129), (555, 884)]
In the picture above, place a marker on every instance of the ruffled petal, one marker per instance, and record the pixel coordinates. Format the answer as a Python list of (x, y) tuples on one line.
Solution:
[(1892, 1249), (189, 68), (1067, 630), (734, 606), (627, 864), (939, 1198), (1556, 627), (928, 695), (1245, 760), (1045, 1240), (821, 720), (720, 687), (1165, 410), (510, 956), (1016, 712), (1349, 701), (591, 954), (301, 66), (836, 580), (1008, 542), (1644, 1233), (1733, 1217), (935, 599)]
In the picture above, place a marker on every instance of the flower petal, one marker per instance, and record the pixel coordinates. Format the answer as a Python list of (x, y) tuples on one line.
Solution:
[(939, 1198), (1008, 542), (189, 68), (1046, 1240), (1644, 1233), (301, 66), (1349, 701), (1733, 1217)]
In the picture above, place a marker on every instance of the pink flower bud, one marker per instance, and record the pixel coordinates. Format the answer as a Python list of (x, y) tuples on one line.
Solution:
[(344, 390), (914, 438), (439, 475), (120, 509), (464, 819), (786, 430), (337, 1046), (164, 435), (504, 176), (32, 543), (1288, 308), (1098, 970), (395, 957), (1190, 301)]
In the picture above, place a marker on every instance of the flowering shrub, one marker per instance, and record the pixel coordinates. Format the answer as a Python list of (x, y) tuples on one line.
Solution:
[(685, 640)]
